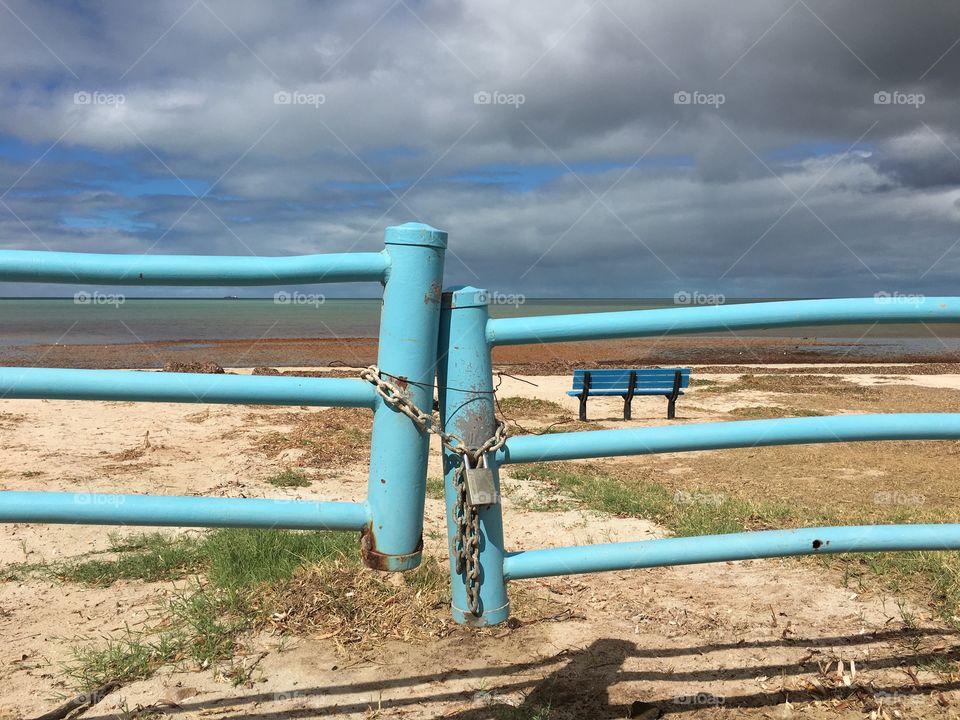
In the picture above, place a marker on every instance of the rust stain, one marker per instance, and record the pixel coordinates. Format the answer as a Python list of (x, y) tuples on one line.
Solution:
[(434, 294), (377, 560), (368, 551), (402, 382)]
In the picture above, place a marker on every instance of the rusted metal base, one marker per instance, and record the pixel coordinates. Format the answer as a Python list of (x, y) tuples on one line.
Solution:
[(390, 563)]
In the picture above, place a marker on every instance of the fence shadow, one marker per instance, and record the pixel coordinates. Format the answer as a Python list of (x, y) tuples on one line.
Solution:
[(580, 683)]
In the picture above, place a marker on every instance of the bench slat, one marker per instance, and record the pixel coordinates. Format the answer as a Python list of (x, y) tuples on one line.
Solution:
[(648, 380), (623, 382), (621, 392), (640, 372)]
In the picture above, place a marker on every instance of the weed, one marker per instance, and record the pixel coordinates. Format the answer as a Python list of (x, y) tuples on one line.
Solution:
[(289, 478)]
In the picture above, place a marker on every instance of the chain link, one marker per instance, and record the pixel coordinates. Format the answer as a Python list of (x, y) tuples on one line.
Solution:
[(466, 541), (466, 537), (398, 399)]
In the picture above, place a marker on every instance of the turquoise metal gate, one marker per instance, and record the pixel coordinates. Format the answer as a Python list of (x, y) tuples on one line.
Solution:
[(421, 341)]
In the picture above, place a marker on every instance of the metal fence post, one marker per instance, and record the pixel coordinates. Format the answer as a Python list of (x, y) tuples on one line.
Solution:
[(407, 357), (467, 409)]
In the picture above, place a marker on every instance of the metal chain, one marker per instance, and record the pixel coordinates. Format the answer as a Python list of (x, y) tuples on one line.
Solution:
[(398, 399), (466, 537), (466, 542)]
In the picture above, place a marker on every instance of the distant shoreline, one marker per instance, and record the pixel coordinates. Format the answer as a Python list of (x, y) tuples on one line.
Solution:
[(532, 359)]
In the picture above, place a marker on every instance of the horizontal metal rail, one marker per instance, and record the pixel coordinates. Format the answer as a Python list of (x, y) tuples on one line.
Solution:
[(65, 384), (117, 269), (723, 548), (717, 318), (737, 434), (162, 511)]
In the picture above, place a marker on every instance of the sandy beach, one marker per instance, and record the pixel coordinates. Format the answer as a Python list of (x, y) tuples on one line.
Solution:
[(764, 637)]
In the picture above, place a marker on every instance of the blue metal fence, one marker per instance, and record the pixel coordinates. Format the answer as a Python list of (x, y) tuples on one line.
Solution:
[(390, 518), (422, 340), (465, 363)]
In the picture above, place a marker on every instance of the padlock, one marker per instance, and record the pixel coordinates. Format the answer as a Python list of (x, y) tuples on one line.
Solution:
[(481, 488)]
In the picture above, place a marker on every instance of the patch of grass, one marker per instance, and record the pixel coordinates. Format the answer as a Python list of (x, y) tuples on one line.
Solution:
[(149, 557), (202, 625), (20, 571), (229, 557), (435, 488), (685, 513), (571, 426), (289, 478), (702, 382), (530, 407), (239, 557), (199, 626), (771, 411), (806, 384), (125, 659), (934, 575), (205, 623)]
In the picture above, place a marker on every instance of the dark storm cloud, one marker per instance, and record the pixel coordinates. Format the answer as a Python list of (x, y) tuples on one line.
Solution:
[(794, 180)]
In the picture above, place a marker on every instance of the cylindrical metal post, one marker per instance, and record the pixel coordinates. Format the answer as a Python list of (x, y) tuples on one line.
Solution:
[(407, 358), (467, 410)]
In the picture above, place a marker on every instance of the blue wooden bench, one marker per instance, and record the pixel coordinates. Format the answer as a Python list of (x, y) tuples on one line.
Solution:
[(668, 382)]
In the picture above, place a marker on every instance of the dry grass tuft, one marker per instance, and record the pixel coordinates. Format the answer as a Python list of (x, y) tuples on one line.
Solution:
[(771, 411), (8, 421), (533, 408), (806, 384), (331, 438), (359, 608)]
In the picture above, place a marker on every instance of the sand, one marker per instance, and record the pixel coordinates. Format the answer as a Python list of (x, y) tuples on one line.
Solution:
[(754, 639)]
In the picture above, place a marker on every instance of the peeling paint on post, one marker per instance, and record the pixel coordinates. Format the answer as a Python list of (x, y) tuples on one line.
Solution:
[(467, 410), (407, 355)]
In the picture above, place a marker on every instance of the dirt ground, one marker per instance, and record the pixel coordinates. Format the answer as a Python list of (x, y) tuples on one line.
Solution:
[(752, 639)]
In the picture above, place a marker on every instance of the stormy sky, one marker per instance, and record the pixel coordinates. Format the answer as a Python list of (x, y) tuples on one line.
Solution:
[(600, 148)]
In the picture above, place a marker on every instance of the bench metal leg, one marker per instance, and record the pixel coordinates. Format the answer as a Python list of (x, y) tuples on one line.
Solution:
[(584, 394), (628, 398), (672, 397)]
